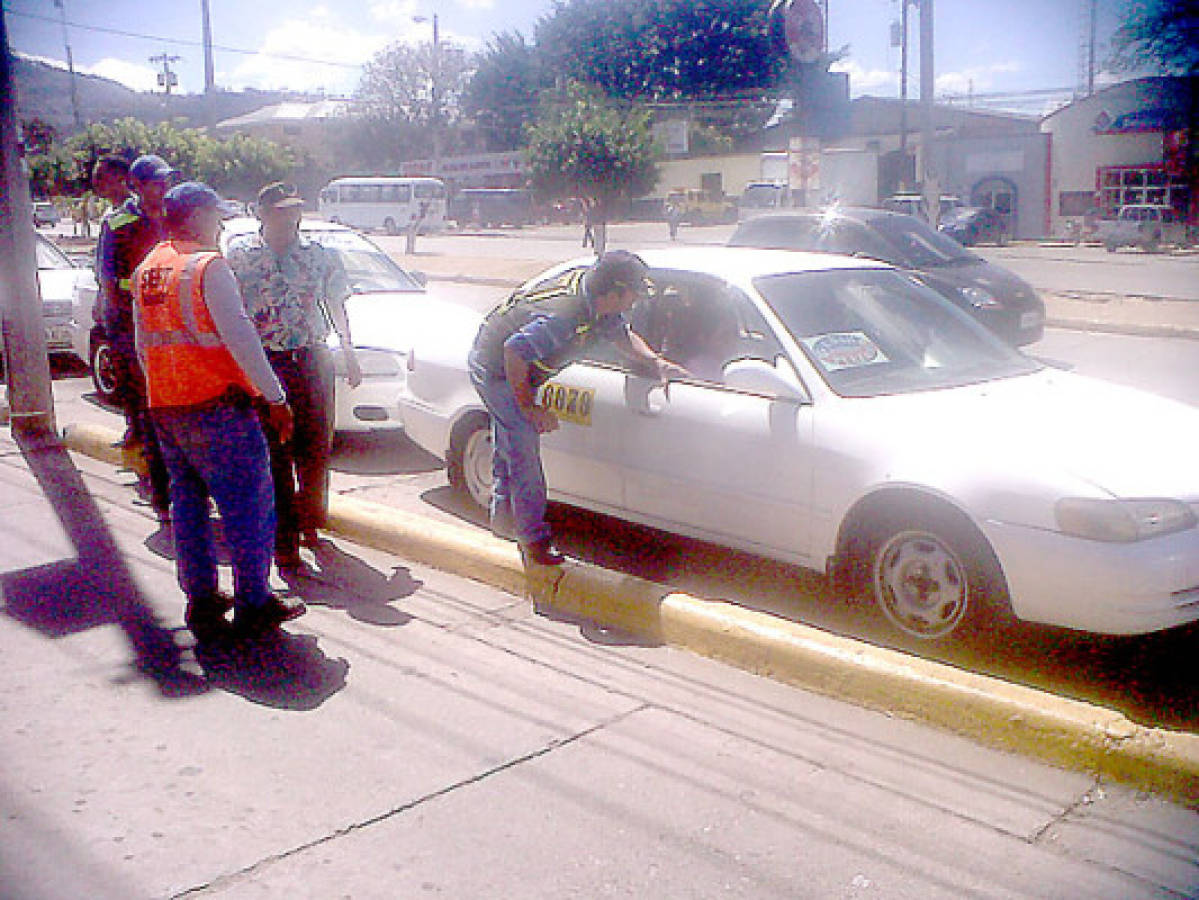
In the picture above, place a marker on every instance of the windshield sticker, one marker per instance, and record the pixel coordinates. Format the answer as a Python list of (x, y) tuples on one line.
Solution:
[(571, 404), (844, 350)]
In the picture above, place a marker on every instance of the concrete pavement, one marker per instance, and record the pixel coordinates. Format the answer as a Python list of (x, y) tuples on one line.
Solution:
[(1061, 731), (419, 733)]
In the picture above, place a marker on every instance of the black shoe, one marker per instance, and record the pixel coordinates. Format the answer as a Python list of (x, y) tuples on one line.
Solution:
[(205, 616), (542, 553), (249, 621)]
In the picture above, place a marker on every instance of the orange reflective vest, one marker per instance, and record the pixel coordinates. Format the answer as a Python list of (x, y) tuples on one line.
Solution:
[(184, 359)]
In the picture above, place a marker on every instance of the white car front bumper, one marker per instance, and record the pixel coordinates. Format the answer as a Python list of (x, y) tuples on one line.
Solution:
[(1111, 588)]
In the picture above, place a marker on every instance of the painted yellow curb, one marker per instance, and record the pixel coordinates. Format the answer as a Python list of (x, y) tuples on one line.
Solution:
[(1065, 732)]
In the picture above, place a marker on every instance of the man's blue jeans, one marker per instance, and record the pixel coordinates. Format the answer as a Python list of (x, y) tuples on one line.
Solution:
[(220, 451), (518, 487)]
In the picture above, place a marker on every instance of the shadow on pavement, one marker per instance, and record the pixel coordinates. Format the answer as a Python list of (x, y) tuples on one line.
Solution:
[(281, 670), (380, 453), (96, 589), (343, 581), (1148, 678)]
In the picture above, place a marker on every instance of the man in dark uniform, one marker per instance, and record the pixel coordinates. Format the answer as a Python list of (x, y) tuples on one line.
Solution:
[(127, 236), (521, 344)]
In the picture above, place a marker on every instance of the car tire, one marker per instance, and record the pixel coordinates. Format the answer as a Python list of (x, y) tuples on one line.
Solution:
[(105, 371), (934, 577), (468, 463)]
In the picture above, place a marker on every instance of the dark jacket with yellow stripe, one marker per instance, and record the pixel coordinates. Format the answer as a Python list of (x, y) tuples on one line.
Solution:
[(546, 328), (127, 235)]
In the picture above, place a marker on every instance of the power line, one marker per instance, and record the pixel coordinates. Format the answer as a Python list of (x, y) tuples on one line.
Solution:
[(185, 43)]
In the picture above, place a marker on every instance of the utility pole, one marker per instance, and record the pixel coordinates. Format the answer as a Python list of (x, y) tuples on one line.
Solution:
[(209, 72), (166, 77), (928, 172), (62, 10), (30, 400), (903, 83)]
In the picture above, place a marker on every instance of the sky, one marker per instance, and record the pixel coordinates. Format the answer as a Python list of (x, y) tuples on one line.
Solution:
[(981, 47)]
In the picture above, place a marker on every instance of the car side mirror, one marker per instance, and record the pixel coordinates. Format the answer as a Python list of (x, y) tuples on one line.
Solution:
[(759, 377)]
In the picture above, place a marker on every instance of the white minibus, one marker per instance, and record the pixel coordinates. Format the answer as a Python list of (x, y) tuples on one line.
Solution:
[(385, 203)]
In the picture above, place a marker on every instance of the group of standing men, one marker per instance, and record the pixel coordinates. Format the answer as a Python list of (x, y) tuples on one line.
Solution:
[(228, 381)]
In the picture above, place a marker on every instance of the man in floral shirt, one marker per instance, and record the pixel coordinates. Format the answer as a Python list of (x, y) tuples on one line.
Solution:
[(294, 290)]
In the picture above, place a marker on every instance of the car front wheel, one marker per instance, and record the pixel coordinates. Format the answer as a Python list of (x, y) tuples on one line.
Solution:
[(468, 464), (934, 578), (105, 371)]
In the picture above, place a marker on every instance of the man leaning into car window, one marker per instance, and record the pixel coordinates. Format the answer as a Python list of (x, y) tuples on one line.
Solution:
[(521, 344)]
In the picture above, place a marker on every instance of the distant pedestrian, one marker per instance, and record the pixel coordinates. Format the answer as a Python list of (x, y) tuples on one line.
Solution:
[(294, 289), (204, 368), (588, 222), (674, 217), (521, 344), (127, 235)]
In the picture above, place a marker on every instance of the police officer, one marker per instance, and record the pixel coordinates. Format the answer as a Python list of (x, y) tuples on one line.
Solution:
[(520, 345), (204, 364), (126, 236)]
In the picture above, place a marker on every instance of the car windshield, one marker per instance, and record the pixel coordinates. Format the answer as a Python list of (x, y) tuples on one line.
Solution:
[(368, 268), (920, 246), (872, 332), (50, 257)]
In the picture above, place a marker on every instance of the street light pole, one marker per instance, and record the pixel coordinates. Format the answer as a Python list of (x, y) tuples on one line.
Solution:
[(435, 92)]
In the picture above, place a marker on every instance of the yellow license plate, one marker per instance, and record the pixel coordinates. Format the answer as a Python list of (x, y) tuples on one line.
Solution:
[(571, 404)]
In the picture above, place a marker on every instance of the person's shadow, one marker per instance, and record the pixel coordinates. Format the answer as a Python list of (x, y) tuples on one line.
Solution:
[(280, 670), (343, 581)]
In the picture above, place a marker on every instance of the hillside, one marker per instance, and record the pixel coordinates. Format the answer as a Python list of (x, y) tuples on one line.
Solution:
[(44, 92)]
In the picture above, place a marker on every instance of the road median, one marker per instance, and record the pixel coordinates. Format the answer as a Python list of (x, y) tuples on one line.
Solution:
[(1060, 731)]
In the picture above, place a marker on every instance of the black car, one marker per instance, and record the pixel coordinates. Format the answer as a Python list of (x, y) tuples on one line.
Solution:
[(970, 225), (996, 297)]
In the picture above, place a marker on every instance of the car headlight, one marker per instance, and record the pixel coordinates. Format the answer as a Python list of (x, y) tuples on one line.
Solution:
[(373, 363), (1122, 520), (979, 298)]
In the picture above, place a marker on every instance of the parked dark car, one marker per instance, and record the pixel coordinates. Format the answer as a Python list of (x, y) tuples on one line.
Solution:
[(996, 297), (969, 225)]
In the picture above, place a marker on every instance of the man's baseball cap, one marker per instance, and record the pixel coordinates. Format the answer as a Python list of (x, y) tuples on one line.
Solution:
[(279, 195), (184, 199), (151, 168)]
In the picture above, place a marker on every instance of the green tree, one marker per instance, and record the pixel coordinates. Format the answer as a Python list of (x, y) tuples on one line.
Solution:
[(240, 163), (502, 93), (584, 146), (665, 49), (413, 94), (1160, 35)]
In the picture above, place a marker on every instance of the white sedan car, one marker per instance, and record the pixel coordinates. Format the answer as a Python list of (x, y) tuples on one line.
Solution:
[(64, 287), (846, 419), (380, 289)]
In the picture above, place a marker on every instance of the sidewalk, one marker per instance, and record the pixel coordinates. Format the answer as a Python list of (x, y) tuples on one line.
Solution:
[(420, 733)]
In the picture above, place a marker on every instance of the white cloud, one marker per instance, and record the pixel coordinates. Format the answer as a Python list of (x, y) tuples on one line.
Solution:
[(868, 81), (477, 4), (132, 75), (975, 79), (320, 35)]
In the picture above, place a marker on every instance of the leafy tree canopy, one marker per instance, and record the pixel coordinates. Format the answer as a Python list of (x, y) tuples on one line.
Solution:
[(584, 146), (1162, 35), (665, 49), (502, 93), (238, 165)]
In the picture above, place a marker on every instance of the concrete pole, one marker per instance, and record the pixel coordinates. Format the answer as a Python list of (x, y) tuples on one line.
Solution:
[(209, 69), (928, 171), (28, 367)]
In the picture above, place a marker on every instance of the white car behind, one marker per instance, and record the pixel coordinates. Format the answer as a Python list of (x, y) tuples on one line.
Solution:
[(381, 290), (858, 424)]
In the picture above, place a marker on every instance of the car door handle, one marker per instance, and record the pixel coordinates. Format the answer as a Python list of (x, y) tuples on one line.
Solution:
[(656, 399)]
